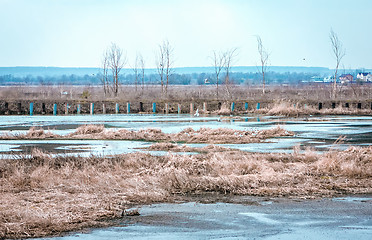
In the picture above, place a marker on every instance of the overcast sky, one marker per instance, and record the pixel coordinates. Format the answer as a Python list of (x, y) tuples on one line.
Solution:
[(74, 33)]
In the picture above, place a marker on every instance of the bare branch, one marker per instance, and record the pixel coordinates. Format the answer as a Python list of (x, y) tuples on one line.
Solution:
[(104, 77), (164, 65), (339, 53), (116, 61), (219, 62), (230, 56)]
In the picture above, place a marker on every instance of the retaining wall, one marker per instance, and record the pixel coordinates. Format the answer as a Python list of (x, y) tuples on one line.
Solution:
[(108, 107)]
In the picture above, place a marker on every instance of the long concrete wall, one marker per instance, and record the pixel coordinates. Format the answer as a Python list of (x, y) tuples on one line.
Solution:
[(108, 107)]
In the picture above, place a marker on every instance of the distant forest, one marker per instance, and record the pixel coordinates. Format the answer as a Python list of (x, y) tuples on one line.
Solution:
[(180, 76), (153, 79), (250, 78)]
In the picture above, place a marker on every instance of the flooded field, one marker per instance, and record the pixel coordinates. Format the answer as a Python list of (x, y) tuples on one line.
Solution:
[(87, 171), (316, 132)]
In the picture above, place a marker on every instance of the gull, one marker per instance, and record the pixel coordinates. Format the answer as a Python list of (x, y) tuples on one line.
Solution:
[(196, 113)]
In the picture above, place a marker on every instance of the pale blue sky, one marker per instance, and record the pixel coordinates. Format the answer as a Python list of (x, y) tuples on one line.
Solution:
[(74, 33)]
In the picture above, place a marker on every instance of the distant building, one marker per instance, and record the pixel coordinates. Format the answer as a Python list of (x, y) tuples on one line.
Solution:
[(329, 79), (364, 77), (346, 78), (316, 79)]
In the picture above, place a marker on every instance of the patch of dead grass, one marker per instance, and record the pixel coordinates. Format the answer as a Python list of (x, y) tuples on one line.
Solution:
[(288, 109), (46, 195), (188, 135)]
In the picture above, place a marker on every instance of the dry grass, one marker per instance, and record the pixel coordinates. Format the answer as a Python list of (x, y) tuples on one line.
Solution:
[(172, 147), (45, 195), (89, 129), (224, 110), (283, 108), (188, 135), (290, 110), (151, 93), (33, 133)]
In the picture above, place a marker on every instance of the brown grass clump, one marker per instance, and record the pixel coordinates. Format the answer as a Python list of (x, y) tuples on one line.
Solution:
[(32, 133), (224, 110), (226, 135), (289, 110), (188, 135), (273, 132), (45, 195), (354, 162), (172, 147), (88, 129)]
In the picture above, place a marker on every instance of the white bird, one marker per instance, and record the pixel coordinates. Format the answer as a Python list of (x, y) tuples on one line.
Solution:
[(196, 113)]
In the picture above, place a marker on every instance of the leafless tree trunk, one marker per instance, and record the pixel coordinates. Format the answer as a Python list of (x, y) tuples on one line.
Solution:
[(142, 67), (135, 70), (229, 58), (116, 63), (339, 53), (139, 72), (264, 57), (160, 64), (219, 62), (164, 65), (104, 77)]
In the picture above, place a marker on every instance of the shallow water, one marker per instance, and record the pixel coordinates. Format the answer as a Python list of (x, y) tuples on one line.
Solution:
[(338, 218), (255, 219), (316, 132)]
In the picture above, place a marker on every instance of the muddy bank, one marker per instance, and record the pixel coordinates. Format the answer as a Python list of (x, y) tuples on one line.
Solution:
[(44, 195)]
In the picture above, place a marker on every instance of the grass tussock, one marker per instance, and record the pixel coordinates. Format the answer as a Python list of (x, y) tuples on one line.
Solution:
[(89, 129), (45, 195), (188, 135), (32, 133), (224, 110)]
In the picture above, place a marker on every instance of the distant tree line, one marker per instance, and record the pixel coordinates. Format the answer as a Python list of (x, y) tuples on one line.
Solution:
[(238, 78)]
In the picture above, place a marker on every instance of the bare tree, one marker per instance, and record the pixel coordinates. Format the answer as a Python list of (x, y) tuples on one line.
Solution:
[(104, 77), (339, 53), (164, 65), (230, 55), (139, 72), (219, 61), (142, 69), (116, 61), (160, 64), (264, 58), (135, 70)]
